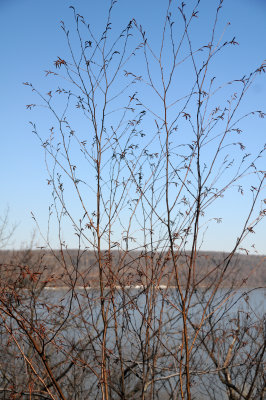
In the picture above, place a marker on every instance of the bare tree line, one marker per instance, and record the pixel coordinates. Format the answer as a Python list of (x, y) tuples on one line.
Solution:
[(248, 268)]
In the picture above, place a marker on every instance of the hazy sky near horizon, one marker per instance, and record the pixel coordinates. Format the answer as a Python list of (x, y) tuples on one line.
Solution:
[(31, 40)]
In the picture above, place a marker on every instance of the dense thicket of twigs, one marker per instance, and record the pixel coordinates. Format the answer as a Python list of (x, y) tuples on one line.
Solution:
[(137, 156)]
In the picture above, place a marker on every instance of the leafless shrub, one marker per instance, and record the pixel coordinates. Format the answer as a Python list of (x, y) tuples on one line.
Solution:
[(145, 166)]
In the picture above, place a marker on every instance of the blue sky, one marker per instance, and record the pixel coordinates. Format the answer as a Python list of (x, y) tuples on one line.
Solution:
[(31, 39)]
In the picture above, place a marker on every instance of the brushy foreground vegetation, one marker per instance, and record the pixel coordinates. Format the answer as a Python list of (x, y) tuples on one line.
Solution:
[(142, 146)]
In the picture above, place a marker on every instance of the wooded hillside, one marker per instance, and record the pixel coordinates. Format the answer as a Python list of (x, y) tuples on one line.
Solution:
[(55, 268)]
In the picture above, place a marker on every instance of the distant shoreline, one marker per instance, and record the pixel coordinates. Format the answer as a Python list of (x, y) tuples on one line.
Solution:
[(132, 271), (160, 287)]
